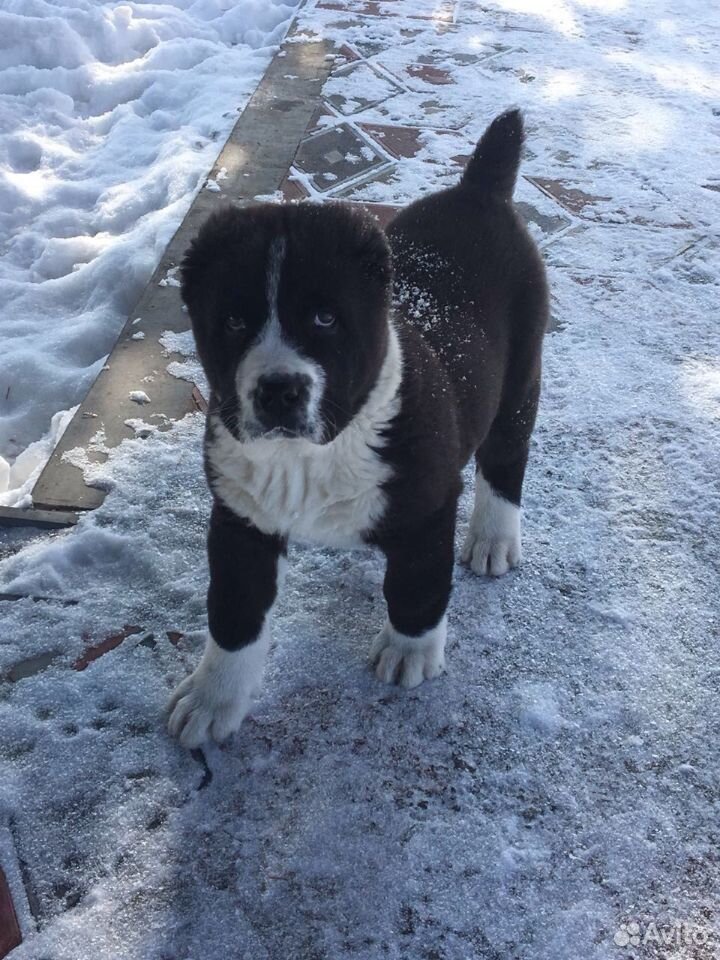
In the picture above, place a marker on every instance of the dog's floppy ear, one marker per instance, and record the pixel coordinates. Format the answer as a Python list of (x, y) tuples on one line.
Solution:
[(372, 246), (221, 235), (191, 270), (357, 235), (376, 257), (205, 250)]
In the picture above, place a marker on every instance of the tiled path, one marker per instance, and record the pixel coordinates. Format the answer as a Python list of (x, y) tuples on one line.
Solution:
[(416, 82)]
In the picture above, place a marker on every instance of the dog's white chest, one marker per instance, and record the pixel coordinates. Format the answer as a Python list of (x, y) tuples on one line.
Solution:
[(328, 494)]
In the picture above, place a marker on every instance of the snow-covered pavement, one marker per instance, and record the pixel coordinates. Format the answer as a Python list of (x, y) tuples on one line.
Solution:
[(110, 116), (557, 795)]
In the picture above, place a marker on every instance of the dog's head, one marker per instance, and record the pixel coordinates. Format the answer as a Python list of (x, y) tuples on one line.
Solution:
[(289, 307)]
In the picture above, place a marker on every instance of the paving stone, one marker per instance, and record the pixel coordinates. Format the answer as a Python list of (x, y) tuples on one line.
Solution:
[(499, 66), (696, 261), (572, 199), (335, 156), (460, 59), (548, 224), (322, 119), (199, 400), (585, 205), (436, 68), (362, 191), (607, 282), (345, 24), (382, 212), (342, 88), (293, 189), (630, 252), (32, 666), (372, 46), (399, 141), (10, 936), (14, 597), (348, 53), (98, 650), (367, 8), (420, 10), (430, 113), (43, 519), (428, 73), (555, 324), (499, 21), (651, 220)]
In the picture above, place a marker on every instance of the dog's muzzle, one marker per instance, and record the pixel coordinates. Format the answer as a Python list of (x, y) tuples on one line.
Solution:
[(280, 403)]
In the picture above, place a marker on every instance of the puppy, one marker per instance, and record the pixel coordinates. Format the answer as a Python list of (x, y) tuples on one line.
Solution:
[(337, 417)]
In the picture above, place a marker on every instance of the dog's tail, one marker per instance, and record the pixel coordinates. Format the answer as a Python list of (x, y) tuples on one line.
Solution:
[(493, 167)]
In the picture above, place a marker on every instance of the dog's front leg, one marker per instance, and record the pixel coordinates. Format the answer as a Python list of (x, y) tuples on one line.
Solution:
[(245, 567), (411, 646)]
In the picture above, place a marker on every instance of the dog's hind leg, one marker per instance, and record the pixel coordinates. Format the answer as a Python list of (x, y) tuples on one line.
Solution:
[(493, 542)]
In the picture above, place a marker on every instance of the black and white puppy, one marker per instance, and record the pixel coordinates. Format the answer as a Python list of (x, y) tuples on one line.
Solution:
[(340, 418)]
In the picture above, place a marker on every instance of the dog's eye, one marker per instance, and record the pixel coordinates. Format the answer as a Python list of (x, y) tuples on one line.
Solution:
[(235, 324), (324, 319)]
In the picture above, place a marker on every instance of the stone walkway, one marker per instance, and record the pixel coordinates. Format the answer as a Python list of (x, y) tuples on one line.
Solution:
[(413, 87)]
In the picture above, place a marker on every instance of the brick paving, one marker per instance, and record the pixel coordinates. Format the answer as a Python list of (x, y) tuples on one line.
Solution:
[(396, 92)]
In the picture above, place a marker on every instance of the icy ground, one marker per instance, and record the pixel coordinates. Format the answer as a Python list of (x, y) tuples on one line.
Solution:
[(563, 779), (110, 115)]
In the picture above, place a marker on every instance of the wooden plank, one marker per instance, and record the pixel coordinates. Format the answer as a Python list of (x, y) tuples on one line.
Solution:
[(16, 888), (44, 519), (256, 158)]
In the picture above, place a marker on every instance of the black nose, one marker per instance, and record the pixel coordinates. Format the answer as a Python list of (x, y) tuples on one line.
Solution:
[(279, 394)]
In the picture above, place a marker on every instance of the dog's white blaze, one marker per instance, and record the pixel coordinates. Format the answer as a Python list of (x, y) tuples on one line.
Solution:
[(321, 493), (272, 354), (275, 259), (493, 542)]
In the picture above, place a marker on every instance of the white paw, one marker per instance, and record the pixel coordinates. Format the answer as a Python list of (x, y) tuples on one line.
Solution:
[(409, 660), (214, 700), (492, 545), (197, 714), (490, 556)]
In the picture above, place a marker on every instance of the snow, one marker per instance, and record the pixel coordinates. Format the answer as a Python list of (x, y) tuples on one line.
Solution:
[(18, 479), (112, 114), (189, 368), (561, 783)]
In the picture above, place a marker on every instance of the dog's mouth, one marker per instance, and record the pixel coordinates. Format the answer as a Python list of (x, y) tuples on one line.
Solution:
[(256, 430), (282, 433)]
